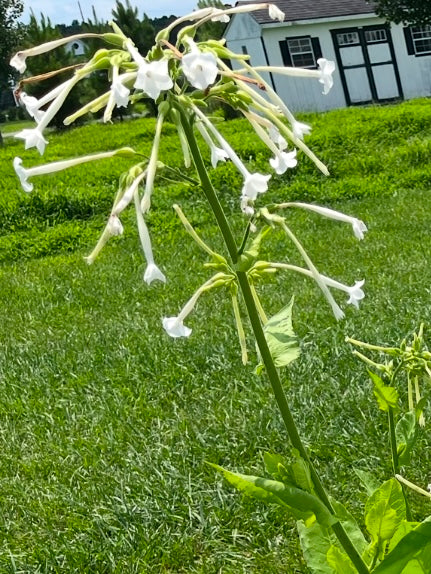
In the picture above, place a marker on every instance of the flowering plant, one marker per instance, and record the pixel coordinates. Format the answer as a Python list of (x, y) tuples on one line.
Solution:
[(183, 79)]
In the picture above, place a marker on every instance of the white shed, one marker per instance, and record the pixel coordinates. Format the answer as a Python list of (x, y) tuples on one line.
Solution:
[(376, 61)]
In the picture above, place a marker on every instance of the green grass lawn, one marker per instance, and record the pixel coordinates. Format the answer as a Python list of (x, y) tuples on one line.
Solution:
[(106, 424)]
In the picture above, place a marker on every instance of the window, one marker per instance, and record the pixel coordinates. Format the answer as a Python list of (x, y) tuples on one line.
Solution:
[(421, 38), (301, 52), (347, 38), (375, 36), (418, 40)]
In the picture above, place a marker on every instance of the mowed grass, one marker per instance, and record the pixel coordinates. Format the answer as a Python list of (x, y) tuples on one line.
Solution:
[(106, 424)]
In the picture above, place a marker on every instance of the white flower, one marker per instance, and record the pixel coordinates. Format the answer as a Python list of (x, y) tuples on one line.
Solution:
[(32, 106), (175, 327), (246, 205), (22, 174), (115, 226), (429, 488), (283, 160), (300, 130), (218, 154), (356, 294), (53, 167), (358, 226), (275, 13), (200, 68), (120, 93), (326, 69), (33, 138), (277, 138), (220, 17), (254, 184), (153, 273), (153, 77), (18, 62)]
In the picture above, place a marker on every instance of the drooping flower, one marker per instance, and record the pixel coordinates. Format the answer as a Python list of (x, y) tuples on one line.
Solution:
[(120, 93), (300, 130), (115, 226), (32, 106), (18, 60), (175, 327), (326, 69), (153, 78), (283, 161), (275, 13), (200, 68), (254, 184), (217, 153), (277, 138), (55, 166), (33, 138), (220, 17), (356, 294), (358, 226), (152, 272)]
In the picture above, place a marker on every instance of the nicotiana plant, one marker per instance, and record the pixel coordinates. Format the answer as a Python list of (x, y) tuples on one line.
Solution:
[(184, 79)]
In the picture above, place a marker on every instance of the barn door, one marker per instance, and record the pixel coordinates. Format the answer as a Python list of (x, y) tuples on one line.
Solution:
[(366, 60)]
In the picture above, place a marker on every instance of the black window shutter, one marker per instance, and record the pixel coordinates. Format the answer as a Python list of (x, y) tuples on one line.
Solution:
[(284, 49), (316, 48), (409, 40)]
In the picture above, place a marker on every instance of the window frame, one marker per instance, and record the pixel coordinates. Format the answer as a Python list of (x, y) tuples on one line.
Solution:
[(289, 56), (411, 41)]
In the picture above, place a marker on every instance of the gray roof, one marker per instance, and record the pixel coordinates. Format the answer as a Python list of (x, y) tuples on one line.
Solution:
[(310, 9)]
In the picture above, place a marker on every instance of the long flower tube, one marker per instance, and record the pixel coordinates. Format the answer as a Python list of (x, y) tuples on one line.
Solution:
[(25, 173), (18, 60), (358, 226), (174, 326), (205, 14), (254, 183), (152, 165), (272, 112), (274, 219), (324, 72), (354, 292), (34, 137), (152, 272)]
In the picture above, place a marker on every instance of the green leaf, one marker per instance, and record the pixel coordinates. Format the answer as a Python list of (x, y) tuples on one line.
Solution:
[(302, 505), (295, 474), (367, 480), (350, 526), (406, 432), (403, 529), (281, 339), (339, 561), (387, 397), (385, 510), (412, 555), (249, 256), (315, 542)]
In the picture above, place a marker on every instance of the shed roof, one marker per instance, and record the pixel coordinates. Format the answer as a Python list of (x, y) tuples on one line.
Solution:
[(311, 9)]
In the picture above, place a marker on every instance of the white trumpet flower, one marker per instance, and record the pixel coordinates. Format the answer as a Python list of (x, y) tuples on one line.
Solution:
[(53, 167), (358, 226), (200, 68), (152, 77)]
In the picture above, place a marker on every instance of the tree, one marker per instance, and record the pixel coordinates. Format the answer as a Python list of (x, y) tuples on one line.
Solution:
[(10, 11), (140, 31), (38, 32), (412, 12), (213, 30)]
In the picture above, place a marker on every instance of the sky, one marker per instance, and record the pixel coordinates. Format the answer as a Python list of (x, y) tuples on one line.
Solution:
[(64, 11)]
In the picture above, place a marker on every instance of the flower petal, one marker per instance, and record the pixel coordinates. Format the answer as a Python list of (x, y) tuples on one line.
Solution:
[(175, 327)]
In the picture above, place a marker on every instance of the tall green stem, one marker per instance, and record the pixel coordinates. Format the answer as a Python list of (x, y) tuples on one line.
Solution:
[(256, 324)]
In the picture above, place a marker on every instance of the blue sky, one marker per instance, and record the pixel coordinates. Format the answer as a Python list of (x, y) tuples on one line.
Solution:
[(64, 11)]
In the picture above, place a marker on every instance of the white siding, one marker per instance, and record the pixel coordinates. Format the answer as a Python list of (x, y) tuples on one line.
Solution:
[(302, 94)]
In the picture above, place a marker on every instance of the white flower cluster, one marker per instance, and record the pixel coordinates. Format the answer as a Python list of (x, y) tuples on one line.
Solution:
[(180, 79)]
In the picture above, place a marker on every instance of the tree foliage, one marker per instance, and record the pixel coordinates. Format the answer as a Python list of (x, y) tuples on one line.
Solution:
[(412, 12), (10, 11), (140, 31)]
